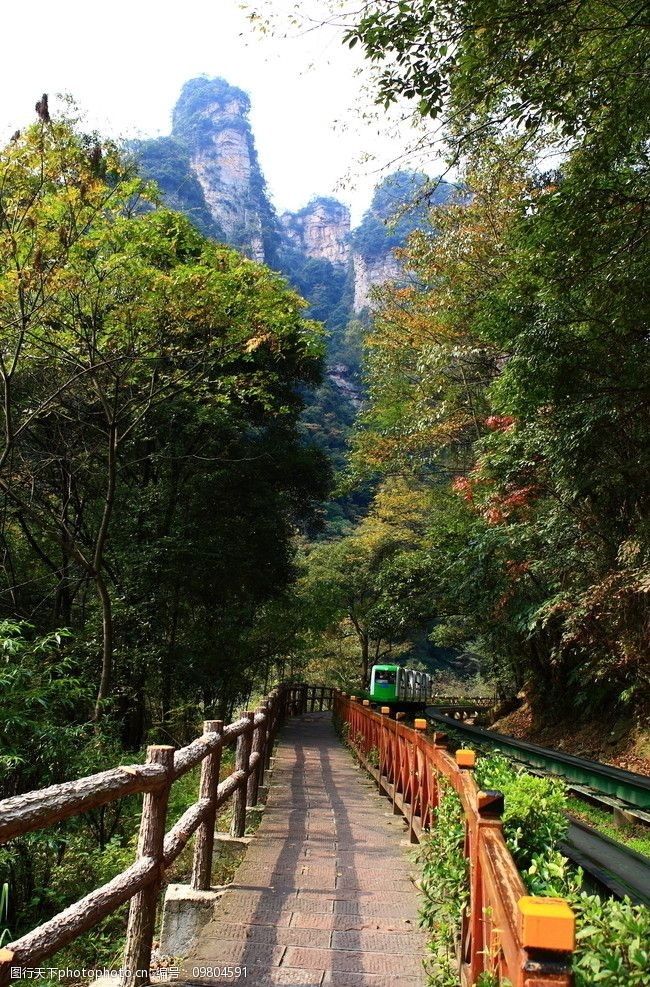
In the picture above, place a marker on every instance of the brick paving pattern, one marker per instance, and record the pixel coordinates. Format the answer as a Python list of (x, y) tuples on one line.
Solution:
[(323, 895)]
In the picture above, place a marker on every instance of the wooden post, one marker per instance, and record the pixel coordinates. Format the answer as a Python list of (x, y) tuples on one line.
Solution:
[(142, 912), (418, 782), (204, 842), (489, 809), (397, 755), (303, 700), (264, 729), (257, 746), (272, 712), (385, 711), (242, 757), (312, 698)]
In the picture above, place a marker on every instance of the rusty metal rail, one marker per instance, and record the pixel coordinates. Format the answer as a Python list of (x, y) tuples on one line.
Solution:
[(526, 940), (254, 735)]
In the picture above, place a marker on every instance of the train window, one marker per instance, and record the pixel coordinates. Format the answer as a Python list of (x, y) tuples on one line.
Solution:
[(386, 676)]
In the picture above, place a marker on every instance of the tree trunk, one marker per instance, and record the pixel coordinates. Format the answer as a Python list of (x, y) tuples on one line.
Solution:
[(107, 643), (365, 660), (169, 655), (100, 583)]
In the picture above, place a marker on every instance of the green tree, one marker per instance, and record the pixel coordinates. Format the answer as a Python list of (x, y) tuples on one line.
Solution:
[(576, 67), (511, 379), (129, 342), (365, 586)]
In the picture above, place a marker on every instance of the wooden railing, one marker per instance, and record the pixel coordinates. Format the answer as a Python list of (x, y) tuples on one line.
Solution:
[(309, 698), (525, 939), (254, 734)]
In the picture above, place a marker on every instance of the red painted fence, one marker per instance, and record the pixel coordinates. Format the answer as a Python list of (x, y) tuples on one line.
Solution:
[(525, 940)]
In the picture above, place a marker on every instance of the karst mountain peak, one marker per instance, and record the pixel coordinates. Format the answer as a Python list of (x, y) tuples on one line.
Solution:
[(208, 167)]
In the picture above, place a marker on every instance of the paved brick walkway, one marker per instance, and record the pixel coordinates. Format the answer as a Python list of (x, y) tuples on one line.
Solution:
[(323, 895)]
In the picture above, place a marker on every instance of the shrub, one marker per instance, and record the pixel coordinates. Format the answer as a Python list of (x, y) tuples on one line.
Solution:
[(612, 938), (534, 817), (613, 942), (444, 886)]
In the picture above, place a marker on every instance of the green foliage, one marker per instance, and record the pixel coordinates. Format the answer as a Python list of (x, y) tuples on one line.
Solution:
[(512, 365), (487, 979), (361, 589), (511, 380), (323, 284), (549, 873), (41, 691), (484, 64), (444, 886), (399, 206), (612, 937), (534, 815), (613, 942), (5, 934), (158, 461), (199, 93)]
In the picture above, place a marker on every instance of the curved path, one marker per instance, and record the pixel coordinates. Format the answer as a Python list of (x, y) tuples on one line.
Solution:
[(324, 894)]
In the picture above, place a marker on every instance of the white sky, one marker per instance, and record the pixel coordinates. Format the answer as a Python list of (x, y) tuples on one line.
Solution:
[(125, 62)]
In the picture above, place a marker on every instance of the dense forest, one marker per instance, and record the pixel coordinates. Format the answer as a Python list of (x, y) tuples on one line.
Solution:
[(217, 473), (506, 423), (153, 474)]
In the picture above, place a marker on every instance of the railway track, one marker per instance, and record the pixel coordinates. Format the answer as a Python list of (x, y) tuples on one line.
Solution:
[(618, 869), (632, 789)]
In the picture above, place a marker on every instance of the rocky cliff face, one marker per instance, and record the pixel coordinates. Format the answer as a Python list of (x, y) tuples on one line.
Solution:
[(320, 230), (208, 168), (399, 206), (213, 144), (211, 117), (371, 272)]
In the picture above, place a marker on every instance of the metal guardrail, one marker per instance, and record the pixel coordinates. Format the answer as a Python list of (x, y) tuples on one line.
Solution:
[(619, 870)]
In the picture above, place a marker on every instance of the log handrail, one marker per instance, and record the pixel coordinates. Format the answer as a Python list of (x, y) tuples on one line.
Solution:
[(41, 808), (157, 849), (528, 940)]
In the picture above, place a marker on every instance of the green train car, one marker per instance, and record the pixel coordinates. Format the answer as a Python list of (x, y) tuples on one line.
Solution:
[(390, 684)]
